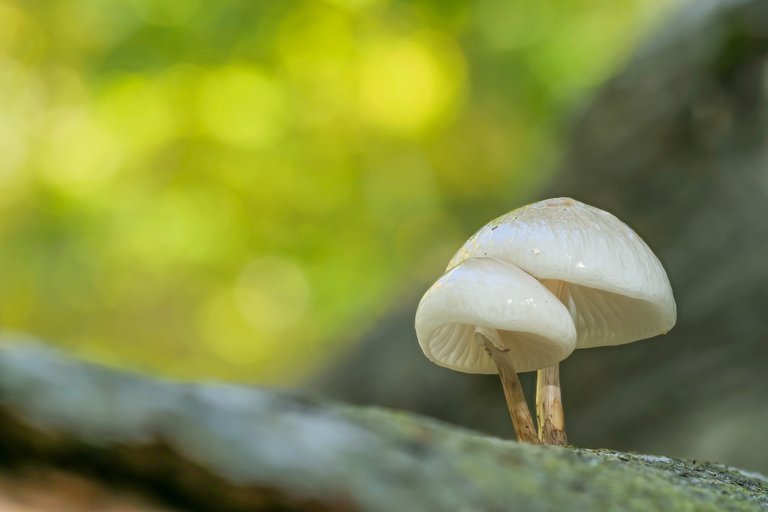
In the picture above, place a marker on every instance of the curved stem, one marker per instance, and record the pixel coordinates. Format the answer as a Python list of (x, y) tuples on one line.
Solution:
[(513, 392), (549, 405)]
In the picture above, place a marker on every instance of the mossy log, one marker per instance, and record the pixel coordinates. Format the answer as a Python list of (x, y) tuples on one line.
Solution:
[(223, 447)]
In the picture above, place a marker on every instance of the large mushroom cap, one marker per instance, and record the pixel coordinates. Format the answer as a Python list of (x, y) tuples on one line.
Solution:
[(506, 305), (615, 287)]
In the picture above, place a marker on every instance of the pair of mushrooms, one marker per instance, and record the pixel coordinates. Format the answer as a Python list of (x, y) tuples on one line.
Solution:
[(533, 285)]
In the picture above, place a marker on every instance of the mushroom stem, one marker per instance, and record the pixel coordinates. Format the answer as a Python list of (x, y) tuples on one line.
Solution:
[(513, 392), (549, 407), (549, 404)]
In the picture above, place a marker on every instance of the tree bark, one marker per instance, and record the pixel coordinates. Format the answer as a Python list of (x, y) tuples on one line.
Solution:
[(220, 447)]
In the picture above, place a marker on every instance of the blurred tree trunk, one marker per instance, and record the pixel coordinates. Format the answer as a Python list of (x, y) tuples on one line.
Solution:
[(675, 145), (79, 437)]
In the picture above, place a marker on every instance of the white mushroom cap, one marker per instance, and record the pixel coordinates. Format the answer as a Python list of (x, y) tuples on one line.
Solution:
[(506, 305), (615, 287)]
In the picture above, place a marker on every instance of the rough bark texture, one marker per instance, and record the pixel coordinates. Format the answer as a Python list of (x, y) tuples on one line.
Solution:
[(676, 144), (221, 447)]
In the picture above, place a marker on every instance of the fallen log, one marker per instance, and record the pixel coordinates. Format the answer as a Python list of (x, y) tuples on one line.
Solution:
[(207, 447)]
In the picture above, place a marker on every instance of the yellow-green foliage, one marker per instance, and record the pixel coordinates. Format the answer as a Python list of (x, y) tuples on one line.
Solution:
[(232, 188)]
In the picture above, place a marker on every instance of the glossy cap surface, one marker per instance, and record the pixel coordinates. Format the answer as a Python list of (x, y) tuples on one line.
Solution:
[(506, 305), (615, 287)]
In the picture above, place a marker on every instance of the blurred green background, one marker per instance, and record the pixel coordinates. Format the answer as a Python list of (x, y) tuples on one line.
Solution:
[(238, 189)]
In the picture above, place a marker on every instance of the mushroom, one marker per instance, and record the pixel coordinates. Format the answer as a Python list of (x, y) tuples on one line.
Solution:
[(487, 316), (611, 282)]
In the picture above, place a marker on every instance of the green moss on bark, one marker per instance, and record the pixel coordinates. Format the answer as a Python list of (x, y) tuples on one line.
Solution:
[(220, 447)]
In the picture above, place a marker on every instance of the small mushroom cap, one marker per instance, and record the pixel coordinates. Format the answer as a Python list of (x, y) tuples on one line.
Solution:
[(615, 287), (509, 307)]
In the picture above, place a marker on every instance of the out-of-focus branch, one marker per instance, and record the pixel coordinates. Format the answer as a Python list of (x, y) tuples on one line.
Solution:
[(221, 447), (198, 447)]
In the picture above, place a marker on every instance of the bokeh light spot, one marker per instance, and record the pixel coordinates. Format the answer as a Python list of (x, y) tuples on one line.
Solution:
[(272, 294), (19, 94), (136, 111), (316, 42), (79, 153), (407, 83), (242, 106), (179, 228)]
